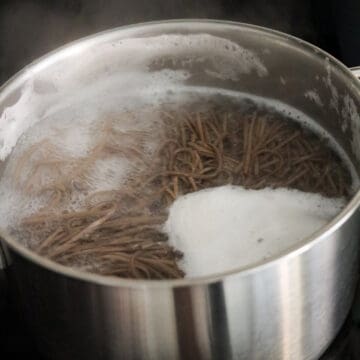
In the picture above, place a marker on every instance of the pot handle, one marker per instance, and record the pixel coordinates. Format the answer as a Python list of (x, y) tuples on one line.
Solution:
[(356, 71)]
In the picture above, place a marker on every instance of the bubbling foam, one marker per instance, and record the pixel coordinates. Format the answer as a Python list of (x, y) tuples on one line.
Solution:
[(218, 230)]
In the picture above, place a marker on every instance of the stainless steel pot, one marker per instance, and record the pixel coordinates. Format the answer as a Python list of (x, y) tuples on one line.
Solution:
[(290, 307)]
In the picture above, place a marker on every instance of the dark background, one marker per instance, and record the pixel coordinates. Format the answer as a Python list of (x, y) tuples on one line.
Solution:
[(30, 28)]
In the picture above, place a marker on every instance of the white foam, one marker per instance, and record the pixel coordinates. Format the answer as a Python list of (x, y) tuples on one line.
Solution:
[(228, 227), (110, 173)]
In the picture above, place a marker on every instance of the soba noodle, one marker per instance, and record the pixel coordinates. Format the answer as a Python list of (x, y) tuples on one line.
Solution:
[(118, 232)]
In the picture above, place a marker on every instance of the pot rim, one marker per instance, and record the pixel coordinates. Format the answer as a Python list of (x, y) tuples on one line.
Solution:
[(305, 245)]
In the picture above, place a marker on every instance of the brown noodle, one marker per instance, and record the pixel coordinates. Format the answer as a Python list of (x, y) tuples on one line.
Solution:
[(118, 232)]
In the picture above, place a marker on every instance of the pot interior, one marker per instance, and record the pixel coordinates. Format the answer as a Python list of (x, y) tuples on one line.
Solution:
[(157, 63)]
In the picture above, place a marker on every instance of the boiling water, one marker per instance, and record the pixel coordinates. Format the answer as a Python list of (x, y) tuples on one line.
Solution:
[(215, 226), (61, 142)]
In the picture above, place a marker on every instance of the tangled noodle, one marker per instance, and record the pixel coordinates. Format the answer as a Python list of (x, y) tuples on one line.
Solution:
[(118, 232)]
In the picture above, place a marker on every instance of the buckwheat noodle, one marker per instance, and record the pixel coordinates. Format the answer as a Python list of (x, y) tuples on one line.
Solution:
[(118, 232)]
